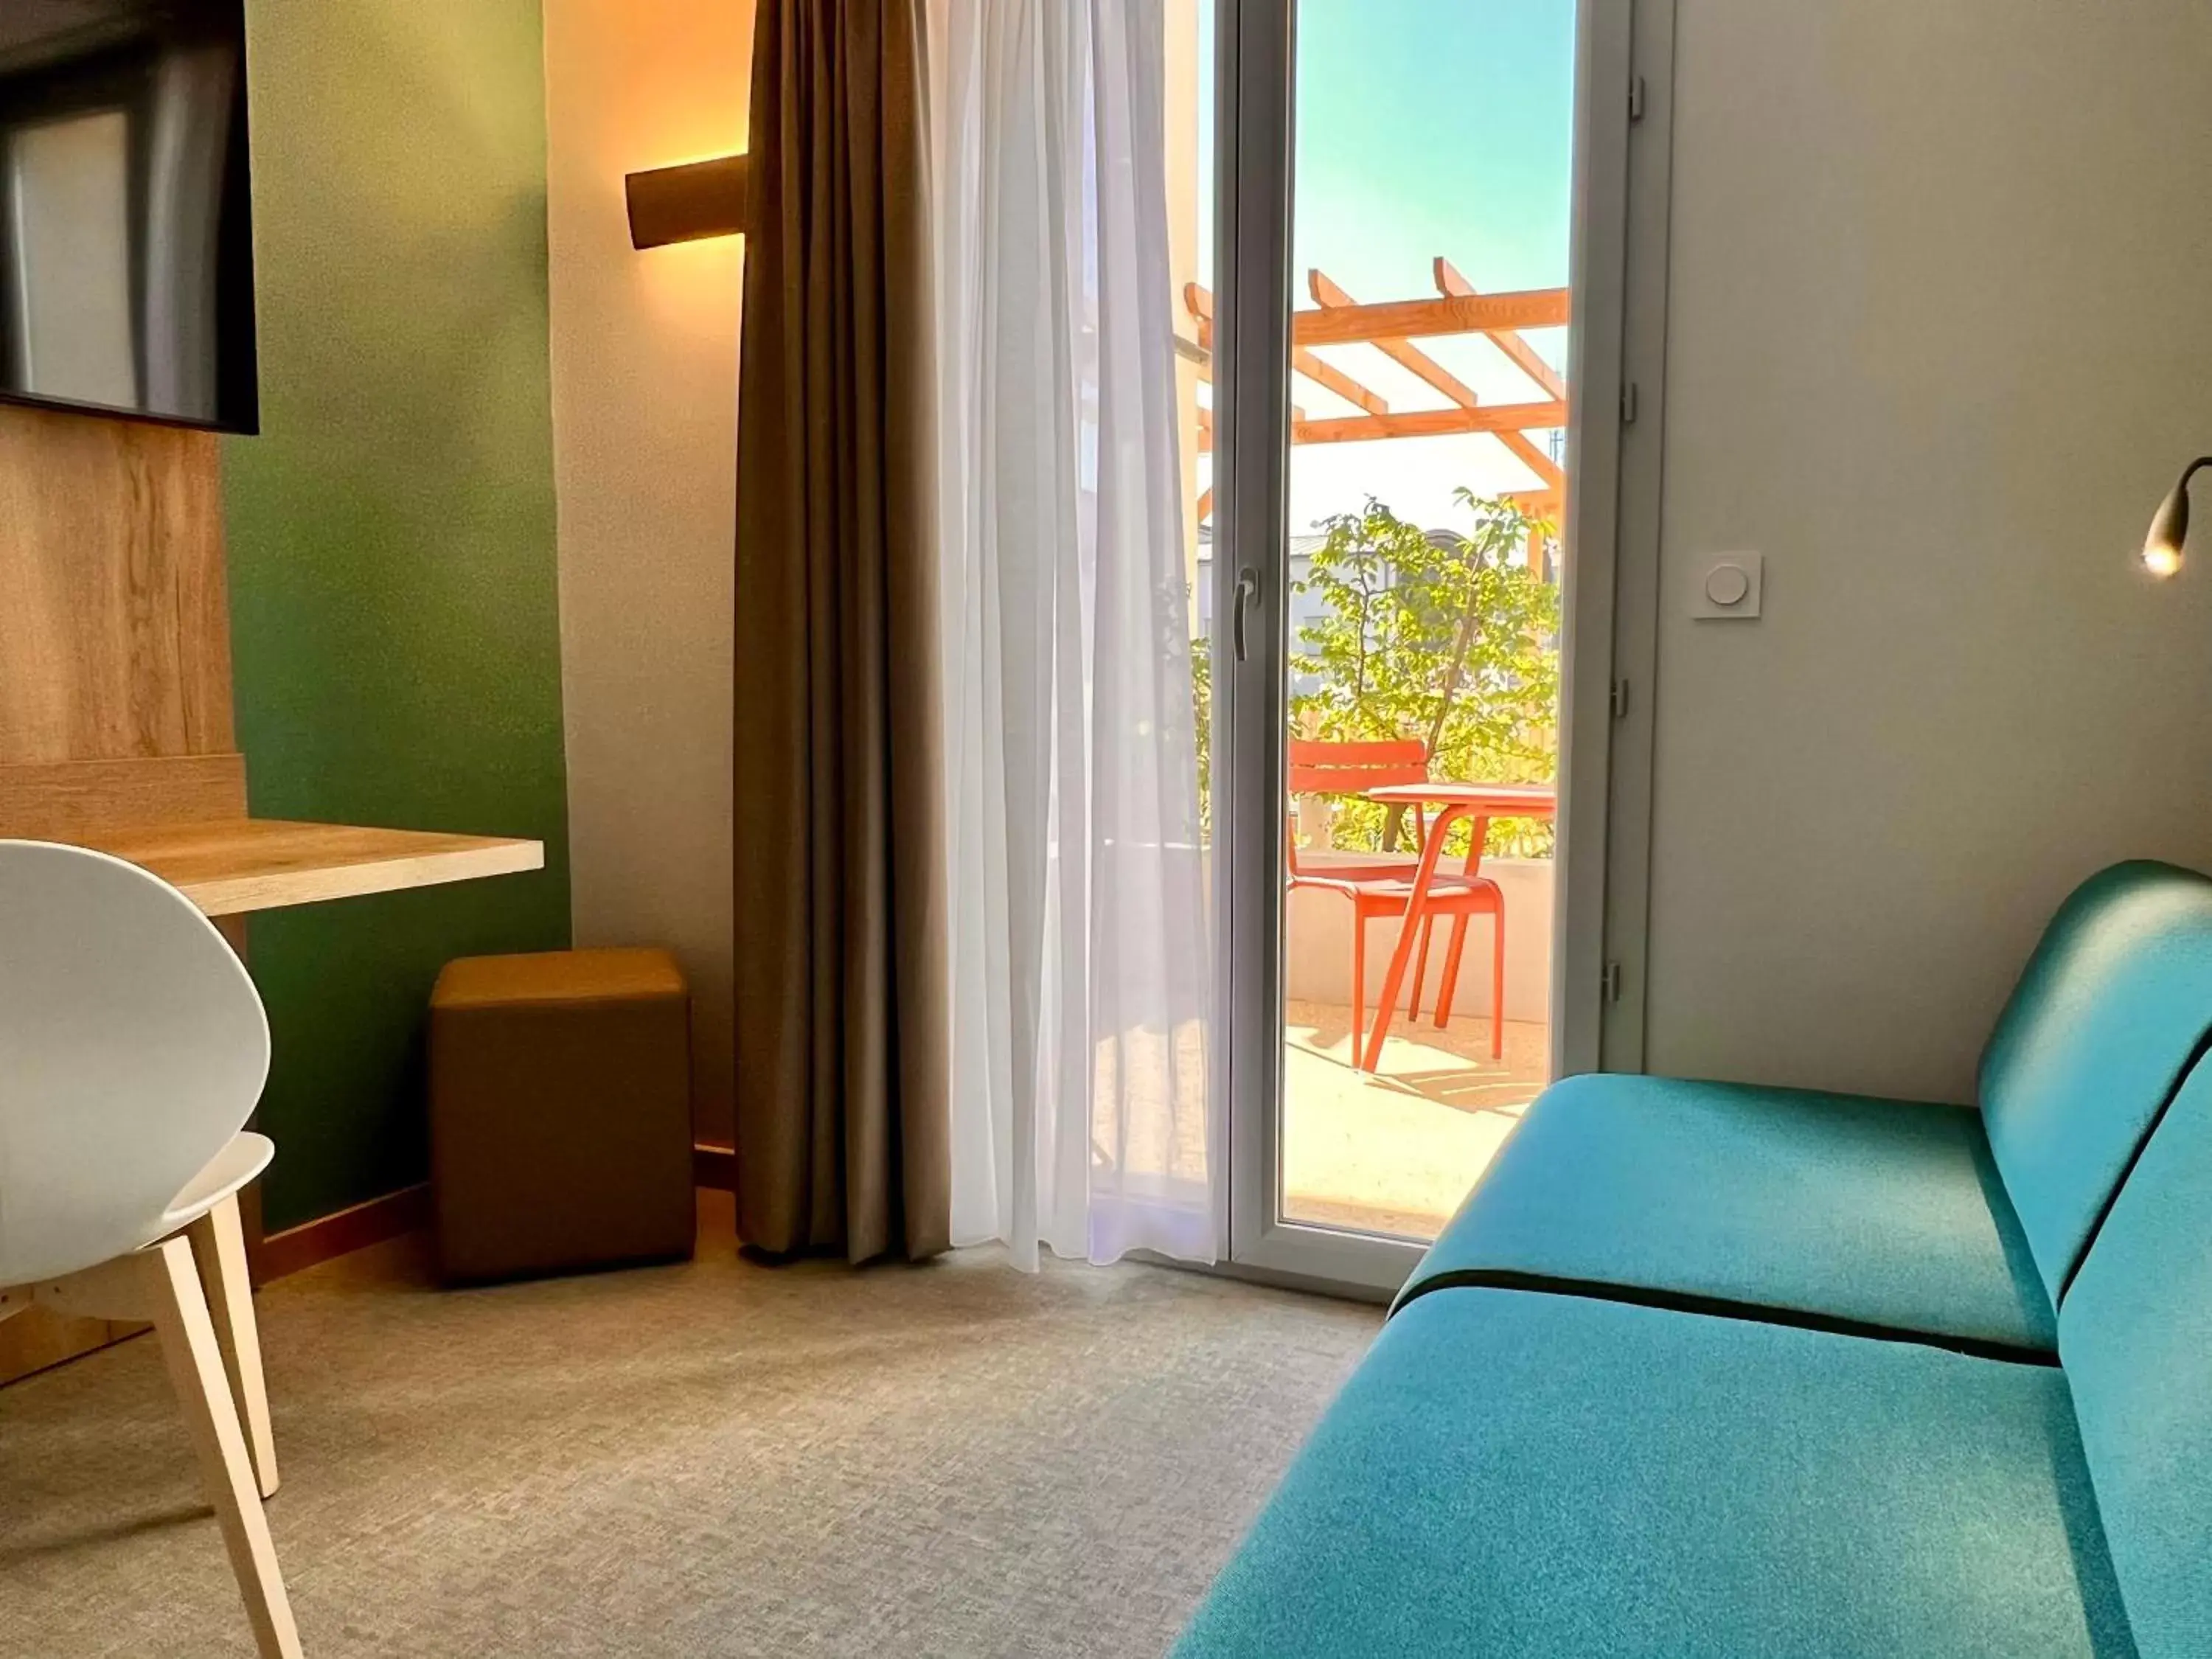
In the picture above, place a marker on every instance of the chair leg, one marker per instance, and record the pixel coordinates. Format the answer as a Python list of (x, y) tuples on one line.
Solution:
[(1448, 987), (1359, 979), (1498, 979), (218, 1241), (195, 1365), (1420, 968)]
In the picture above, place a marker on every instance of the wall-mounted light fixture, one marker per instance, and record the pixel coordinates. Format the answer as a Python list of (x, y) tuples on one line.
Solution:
[(2169, 526), (689, 203)]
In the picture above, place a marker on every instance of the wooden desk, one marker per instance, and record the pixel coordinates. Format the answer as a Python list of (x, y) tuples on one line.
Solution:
[(183, 818), (228, 866), (116, 727)]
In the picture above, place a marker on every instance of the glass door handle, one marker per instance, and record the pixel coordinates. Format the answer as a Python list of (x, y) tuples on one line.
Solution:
[(1247, 595)]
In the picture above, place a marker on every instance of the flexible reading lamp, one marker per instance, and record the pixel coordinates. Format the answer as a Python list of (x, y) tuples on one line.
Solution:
[(2169, 526)]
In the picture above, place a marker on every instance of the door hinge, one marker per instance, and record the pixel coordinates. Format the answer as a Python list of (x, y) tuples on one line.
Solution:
[(1635, 98), (1610, 982), (1620, 699), (1628, 403)]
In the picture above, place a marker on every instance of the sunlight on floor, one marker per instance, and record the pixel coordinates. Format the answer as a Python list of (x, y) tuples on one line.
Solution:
[(1396, 1151)]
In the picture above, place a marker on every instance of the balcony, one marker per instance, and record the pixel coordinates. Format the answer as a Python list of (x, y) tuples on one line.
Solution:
[(1421, 595), (1394, 1150)]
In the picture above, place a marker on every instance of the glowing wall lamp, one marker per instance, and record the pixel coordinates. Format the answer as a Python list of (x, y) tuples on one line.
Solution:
[(689, 203), (2169, 526)]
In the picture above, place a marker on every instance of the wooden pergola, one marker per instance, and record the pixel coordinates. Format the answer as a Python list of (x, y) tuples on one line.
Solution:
[(1391, 328)]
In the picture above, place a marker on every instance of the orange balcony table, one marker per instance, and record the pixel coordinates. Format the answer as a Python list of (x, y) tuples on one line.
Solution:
[(1477, 804)]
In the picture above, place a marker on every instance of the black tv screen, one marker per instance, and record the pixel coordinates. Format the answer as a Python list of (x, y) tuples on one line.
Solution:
[(126, 237)]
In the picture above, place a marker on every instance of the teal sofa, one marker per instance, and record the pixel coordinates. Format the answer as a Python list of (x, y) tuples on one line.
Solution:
[(1704, 1368)]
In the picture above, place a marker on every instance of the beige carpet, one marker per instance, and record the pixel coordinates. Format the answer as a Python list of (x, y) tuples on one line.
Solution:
[(716, 1459)]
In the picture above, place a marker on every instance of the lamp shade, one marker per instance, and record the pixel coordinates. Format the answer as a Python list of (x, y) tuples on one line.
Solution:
[(2169, 526), (689, 203)]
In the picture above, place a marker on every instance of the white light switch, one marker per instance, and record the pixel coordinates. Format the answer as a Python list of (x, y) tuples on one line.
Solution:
[(1729, 585)]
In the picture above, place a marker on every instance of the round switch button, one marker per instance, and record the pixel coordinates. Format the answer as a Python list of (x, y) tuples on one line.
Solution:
[(1727, 584)]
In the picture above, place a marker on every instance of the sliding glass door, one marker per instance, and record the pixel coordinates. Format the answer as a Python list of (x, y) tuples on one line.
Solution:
[(1377, 307)]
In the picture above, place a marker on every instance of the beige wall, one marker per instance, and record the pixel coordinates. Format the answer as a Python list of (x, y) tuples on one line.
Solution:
[(1941, 335), (645, 435)]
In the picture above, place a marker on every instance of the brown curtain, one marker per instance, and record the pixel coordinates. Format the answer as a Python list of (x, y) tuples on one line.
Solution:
[(843, 1120)]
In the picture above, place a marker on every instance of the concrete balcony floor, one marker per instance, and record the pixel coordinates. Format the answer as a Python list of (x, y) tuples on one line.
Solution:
[(1395, 1150)]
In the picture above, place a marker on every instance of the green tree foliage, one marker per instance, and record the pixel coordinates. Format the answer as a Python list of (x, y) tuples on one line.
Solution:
[(1201, 691), (1451, 639)]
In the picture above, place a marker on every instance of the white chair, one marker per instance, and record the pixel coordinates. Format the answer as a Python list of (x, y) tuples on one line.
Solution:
[(132, 1049)]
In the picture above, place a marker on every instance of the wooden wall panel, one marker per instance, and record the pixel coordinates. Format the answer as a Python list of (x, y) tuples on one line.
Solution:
[(115, 631), (65, 800), (114, 666), (39, 1337)]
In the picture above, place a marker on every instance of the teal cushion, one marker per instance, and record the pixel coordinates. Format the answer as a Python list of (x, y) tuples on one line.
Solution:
[(1850, 1212), (2135, 1334), (1513, 1474), (2111, 1011)]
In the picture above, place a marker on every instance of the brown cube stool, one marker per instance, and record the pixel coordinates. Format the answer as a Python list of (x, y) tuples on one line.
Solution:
[(560, 1112)]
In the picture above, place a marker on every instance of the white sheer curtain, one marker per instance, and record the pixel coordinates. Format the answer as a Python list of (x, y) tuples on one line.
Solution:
[(1080, 953)]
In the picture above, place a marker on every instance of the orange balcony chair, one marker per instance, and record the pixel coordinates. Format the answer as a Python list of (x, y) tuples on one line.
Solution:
[(1384, 885)]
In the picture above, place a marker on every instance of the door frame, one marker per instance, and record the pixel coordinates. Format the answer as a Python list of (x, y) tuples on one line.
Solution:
[(1608, 633), (1616, 445)]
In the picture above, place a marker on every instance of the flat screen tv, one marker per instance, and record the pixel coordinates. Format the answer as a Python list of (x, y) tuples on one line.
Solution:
[(126, 236)]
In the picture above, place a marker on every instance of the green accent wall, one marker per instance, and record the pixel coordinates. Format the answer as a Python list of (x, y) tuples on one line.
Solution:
[(394, 604)]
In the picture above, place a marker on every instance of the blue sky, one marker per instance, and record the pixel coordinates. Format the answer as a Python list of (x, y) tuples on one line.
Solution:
[(1434, 126), (1427, 127)]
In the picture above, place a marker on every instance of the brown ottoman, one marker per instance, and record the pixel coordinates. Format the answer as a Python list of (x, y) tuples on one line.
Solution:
[(560, 1112)]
